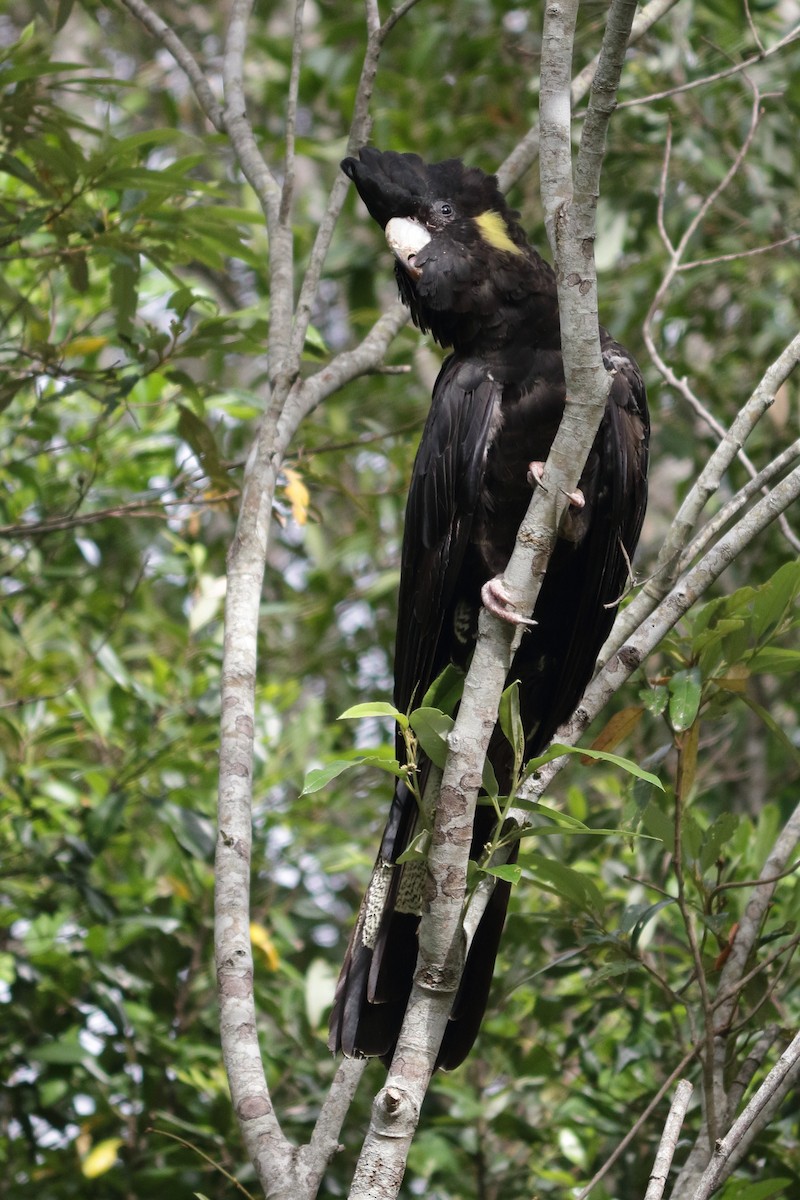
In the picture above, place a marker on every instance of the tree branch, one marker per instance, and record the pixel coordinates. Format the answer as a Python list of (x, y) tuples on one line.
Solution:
[(651, 631), (283, 367), (706, 484), (676, 254), (183, 57), (669, 1141), (441, 939), (638, 1123), (287, 190), (314, 1158), (237, 124), (747, 934), (737, 69), (360, 126), (721, 518), (731, 1149), (526, 151)]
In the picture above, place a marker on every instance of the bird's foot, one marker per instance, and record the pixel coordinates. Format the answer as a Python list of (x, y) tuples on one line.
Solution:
[(535, 475), (499, 603)]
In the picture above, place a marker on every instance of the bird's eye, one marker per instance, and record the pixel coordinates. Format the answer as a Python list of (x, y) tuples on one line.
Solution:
[(445, 209)]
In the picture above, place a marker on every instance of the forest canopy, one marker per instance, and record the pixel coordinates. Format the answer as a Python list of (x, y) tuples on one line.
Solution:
[(139, 302)]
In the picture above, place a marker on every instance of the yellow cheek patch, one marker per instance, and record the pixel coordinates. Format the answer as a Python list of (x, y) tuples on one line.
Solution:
[(494, 230)]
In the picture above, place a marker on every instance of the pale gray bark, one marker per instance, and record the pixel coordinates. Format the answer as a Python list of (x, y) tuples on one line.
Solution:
[(669, 1141), (570, 218), (284, 1170)]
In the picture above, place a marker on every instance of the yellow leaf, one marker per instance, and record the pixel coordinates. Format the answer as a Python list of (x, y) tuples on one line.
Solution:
[(297, 495), (101, 1159), (176, 887), (735, 679), (617, 729), (85, 345), (263, 942), (687, 759)]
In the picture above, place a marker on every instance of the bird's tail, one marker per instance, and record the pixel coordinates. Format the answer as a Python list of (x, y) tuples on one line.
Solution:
[(377, 974)]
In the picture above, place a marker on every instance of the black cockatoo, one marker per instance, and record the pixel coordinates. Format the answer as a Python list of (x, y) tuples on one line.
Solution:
[(467, 273)]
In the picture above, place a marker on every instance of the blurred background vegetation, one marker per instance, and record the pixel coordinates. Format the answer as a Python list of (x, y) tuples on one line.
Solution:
[(133, 312)]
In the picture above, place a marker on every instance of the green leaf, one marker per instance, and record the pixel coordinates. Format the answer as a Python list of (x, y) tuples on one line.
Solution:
[(432, 727), (417, 849), (775, 598), (660, 825), (561, 819), (691, 836), (125, 292), (374, 708), (511, 723), (763, 1189), (637, 916), (78, 272), (617, 760), (445, 691), (489, 780), (579, 890), (654, 699), (65, 1051), (716, 837), (774, 660), (773, 726), (508, 872), (685, 694), (319, 777), (200, 438), (195, 832)]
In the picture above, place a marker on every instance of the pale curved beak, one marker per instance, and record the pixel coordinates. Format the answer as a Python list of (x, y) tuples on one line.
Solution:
[(406, 237)]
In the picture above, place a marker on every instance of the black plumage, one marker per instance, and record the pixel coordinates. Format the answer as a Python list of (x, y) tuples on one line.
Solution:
[(466, 271)]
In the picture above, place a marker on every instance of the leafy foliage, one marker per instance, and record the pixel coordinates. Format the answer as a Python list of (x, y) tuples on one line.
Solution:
[(133, 313)]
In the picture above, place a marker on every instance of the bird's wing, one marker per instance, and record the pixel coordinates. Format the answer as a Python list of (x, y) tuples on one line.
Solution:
[(444, 493), (587, 577)]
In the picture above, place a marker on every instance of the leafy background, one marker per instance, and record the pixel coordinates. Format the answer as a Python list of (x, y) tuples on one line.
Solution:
[(133, 313)]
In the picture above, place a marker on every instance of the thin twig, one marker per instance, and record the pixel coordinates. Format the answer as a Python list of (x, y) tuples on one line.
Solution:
[(752, 1063), (730, 985), (697, 958), (283, 366), (359, 131), (736, 503), (287, 190), (652, 631), (730, 1149), (706, 484), (669, 1141), (737, 69), (526, 150), (723, 258), (183, 57), (394, 16), (753, 30), (638, 1124), (662, 198)]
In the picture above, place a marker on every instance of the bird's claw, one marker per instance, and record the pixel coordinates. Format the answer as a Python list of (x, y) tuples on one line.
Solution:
[(535, 476), (497, 600), (576, 498)]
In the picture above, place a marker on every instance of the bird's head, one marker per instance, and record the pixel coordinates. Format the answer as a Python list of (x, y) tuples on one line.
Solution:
[(458, 246)]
